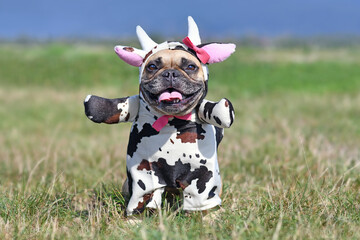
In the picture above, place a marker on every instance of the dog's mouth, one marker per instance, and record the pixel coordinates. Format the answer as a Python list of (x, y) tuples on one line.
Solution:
[(173, 101), (171, 96)]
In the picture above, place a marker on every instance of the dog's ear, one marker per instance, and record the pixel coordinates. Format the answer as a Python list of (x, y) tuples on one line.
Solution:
[(213, 52), (130, 55), (218, 52), (134, 56)]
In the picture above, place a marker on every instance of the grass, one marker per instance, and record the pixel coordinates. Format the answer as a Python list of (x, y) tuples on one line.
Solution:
[(290, 163)]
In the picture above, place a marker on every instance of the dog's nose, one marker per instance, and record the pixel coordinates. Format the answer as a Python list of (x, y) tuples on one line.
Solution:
[(171, 73)]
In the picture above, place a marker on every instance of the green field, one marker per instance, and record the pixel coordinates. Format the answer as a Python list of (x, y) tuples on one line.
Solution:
[(290, 163)]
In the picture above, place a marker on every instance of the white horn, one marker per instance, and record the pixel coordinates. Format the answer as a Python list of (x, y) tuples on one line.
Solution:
[(193, 33), (146, 42)]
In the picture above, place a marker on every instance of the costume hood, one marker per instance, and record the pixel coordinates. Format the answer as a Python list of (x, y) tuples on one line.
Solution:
[(207, 53)]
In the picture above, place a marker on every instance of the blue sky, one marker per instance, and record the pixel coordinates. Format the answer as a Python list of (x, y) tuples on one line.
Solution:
[(216, 18)]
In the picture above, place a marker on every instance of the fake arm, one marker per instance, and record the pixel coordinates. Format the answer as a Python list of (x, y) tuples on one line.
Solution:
[(103, 110), (220, 114)]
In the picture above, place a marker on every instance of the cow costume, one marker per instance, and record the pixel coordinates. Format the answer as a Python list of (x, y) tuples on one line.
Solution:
[(164, 151)]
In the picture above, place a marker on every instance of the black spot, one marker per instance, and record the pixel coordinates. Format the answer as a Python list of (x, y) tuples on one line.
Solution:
[(184, 155), (147, 108), (160, 149), (130, 182), (180, 174), (231, 111), (136, 136), (155, 117), (197, 155), (208, 109), (203, 175), (203, 161), (190, 156), (127, 117), (212, 192), (217, 120), (219, 134), (142, 185)]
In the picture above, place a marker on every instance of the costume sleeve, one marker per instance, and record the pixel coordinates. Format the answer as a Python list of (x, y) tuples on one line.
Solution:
[(220, 114), (110, 111)]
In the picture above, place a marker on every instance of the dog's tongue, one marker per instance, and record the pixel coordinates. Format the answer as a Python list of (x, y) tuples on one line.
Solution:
[(166, 96)]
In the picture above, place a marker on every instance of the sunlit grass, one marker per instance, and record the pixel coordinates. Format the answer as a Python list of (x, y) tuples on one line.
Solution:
[(290, 163)]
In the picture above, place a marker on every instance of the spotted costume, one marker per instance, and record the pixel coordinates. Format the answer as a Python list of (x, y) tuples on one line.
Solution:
[(182, 153)]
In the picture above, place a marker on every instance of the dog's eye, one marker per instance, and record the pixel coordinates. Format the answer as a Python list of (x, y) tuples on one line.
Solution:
[(151, 67), (191, 67)]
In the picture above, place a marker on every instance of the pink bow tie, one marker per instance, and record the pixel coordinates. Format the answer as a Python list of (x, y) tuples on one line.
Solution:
[(200, 53), (163, 120)]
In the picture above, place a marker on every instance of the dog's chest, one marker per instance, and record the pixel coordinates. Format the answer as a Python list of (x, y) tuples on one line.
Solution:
[(180, 148)]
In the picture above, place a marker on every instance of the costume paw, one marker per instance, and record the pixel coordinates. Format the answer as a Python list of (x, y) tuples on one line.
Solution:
[(220, 114), (99, 110)]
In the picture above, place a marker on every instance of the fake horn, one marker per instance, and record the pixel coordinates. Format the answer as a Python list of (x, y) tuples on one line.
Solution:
[(146, 42), (193, 32)]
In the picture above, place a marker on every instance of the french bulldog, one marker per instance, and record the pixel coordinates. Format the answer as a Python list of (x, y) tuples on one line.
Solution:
[(173, 82), (175, 132)]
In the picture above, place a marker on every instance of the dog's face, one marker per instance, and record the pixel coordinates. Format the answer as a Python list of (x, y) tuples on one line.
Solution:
[(173, 82)]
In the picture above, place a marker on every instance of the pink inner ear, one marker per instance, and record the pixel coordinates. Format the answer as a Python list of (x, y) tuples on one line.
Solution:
[(219, 51), (129, 56)]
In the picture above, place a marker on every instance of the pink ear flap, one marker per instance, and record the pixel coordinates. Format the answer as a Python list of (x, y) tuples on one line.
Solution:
[(218, 52), (129, 55)]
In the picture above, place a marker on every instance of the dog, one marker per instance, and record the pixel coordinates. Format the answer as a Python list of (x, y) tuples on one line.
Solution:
[(175, 132)]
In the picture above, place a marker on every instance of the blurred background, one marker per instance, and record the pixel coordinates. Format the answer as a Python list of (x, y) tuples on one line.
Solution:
[(294, 81), (44, 20)]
